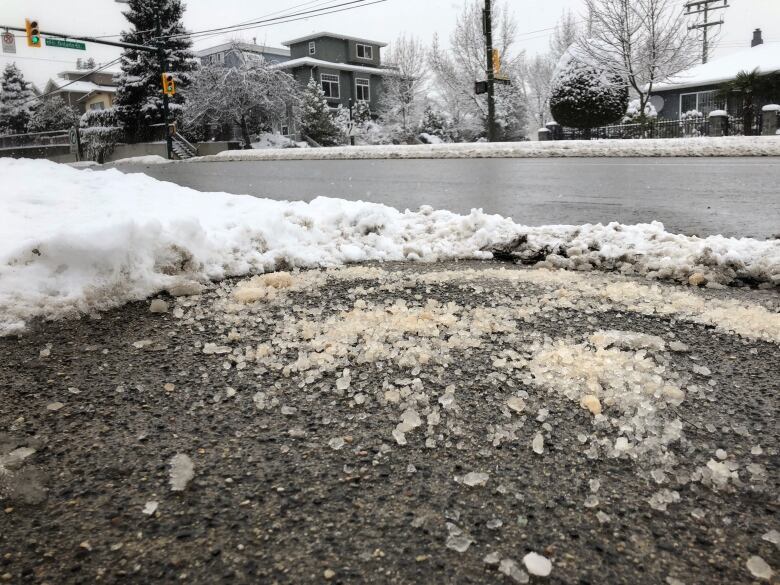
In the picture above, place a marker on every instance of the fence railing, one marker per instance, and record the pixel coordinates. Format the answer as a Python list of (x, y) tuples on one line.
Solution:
[(52, 137), (690, 127)]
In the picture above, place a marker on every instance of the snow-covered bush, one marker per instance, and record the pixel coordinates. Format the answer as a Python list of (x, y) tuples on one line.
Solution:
[(52, 114), (691, 115), (434, 124), (361, 113), (316, 120), (17, 101), (100, 132), (692, 124), (634, 115), (584, 95)]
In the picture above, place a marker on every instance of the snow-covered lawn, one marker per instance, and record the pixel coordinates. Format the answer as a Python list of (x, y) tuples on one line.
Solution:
[(76, 241), (727, 146), (269, 140)]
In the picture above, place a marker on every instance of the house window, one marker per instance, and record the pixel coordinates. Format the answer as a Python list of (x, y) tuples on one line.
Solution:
[(312, 48), (97, 106), (700, 101), (365, 52), (362, 90), (330, 85)]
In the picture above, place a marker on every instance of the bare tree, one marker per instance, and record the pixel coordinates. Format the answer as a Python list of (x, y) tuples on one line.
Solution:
[(404, 89), (539, 80), (252, 93), (457, 69), (566, 33), (644, 42)]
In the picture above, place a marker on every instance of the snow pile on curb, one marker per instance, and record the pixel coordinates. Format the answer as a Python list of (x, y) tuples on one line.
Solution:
[(677, 147), (648, 250), (147, 159), (76, 241)]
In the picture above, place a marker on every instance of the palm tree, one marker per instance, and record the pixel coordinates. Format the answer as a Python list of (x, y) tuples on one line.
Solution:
[(751, 88)]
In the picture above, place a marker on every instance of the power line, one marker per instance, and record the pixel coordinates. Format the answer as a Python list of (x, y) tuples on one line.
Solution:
[(350, 5), (15, 57), (249, 22)]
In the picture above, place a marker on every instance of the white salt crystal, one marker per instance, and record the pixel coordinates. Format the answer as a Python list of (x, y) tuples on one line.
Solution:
[(511, 569), (150, 508), (538, 444), (182, 471), (459, 543), (759, 568), (474, 478), (336, 443), (537, 564), (772, 536), (158, 306), (516, 404)]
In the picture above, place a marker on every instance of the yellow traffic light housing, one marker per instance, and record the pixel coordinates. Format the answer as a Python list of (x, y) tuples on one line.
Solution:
[(33, 33), (168, 84), (496, 62)]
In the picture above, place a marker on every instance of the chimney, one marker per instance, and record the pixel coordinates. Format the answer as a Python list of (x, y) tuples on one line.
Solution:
[(757, 38)]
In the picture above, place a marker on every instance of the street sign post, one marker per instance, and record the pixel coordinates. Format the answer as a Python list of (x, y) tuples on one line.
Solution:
[(62, 43), (9, 43)]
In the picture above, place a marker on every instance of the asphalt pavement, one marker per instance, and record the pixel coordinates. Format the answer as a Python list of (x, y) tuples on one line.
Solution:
[(699, 196), (398, 423)]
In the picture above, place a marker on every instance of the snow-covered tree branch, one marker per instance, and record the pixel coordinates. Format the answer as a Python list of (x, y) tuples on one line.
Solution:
[(252, 95), (643, 42), (405, 89)]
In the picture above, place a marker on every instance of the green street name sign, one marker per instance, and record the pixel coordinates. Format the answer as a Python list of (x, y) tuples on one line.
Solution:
[(65, 44)]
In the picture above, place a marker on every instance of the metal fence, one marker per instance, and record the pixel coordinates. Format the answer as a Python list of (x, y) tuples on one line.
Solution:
[(50, 138), (691, 127)]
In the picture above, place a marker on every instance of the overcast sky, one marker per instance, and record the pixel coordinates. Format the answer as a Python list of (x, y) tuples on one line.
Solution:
[(383, 21)]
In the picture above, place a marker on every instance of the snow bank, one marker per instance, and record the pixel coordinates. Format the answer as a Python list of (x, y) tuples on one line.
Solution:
[(272, 140), (76, 241), (147, 159), (674, 147)]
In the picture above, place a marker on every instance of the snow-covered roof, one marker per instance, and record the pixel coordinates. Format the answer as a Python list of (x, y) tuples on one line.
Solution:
[(88, 71), (79, 86), (319, 35), (252, 48), (331, 65), (765, 58)]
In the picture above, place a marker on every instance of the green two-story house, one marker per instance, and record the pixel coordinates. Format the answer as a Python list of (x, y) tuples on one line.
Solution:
[(347, 68)]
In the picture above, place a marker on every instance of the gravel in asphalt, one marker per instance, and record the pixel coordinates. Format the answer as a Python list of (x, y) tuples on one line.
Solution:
[(397, 424)]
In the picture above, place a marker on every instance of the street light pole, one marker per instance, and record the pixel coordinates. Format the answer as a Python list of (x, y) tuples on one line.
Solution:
[(491, 74)]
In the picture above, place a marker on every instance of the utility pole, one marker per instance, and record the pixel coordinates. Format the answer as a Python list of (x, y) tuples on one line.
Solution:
[(695, 7), (487, 22), (163, 69)]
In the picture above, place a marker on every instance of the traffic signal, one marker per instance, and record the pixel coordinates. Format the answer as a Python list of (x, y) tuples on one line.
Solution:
[(33, 33), (496, 62), (169, 85)]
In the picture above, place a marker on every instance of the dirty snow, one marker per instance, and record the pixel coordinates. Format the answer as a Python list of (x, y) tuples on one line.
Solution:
[(78, 241)]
